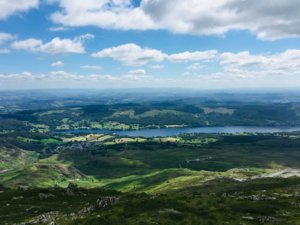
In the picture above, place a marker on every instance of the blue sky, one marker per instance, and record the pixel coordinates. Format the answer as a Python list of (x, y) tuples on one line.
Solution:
[(214, 44)]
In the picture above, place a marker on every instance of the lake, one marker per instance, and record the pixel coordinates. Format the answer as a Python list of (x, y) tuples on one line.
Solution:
[(166, 132)]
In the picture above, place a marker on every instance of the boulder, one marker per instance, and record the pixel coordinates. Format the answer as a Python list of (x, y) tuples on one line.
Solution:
[(105, 202)]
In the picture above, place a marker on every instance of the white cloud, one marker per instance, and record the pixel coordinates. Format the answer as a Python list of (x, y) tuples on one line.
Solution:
[(8, 8), (91, 67), (55, 46), (267, 19), (102, 77), (63, 76), (134, 55), (193, 56), (4, 37), (28, 44), (136, 77), (228, 69), (285, 63), (110, 14), (17, 76), (268, 68), (232, 75), (242, 59), (195, 66), (131, 54), (57, 64), (137, 72), (58, 28), (85, 37)]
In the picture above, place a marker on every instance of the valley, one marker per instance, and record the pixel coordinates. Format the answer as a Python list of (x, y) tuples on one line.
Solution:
[(82, 175)]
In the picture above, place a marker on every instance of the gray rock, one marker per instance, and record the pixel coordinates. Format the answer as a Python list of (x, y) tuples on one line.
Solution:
[(32, 210), (71, 189), (105, 202), (43, 196)]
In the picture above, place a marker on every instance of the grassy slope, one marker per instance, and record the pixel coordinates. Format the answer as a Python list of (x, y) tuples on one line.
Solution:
[(186, 195), (218, 202), (53, 171), (175, 113), (150, 166), (21, 167)]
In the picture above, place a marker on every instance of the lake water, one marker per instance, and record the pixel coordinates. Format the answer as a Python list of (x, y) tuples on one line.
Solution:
[(166, 132)]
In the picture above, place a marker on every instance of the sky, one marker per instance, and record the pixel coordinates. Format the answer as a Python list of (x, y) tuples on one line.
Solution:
[(203, 44)]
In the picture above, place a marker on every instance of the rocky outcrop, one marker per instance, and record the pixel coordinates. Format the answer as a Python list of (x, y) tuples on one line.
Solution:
[(45, 218), (105, 202), (43, 196), (71, 189)]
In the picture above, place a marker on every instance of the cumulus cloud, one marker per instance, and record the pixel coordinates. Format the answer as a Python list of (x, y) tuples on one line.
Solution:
[(55, 46), (102, 77), (136, 77), (235, 71), (131, 54), (268, 68), (8, 8), (285, 63), (193, 56), (57, 64), (58, 28), (91, 67), (4, 38), (110, 14), (195, 66), (267, 19), (60, 75), (134, 55), (20, 76), (137, 72)]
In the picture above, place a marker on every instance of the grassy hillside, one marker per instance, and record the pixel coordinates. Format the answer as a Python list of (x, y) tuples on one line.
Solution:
[(266, 201), (150, 165), (188, 179), (125, 116)]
